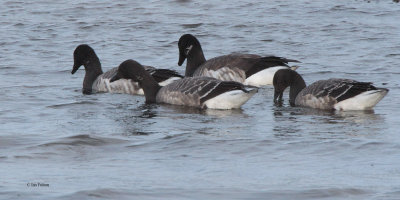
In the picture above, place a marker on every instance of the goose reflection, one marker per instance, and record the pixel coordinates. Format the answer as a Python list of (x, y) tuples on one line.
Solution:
[(166, 119), (136, 121), (356, 116), (295, 121), (206, 112)]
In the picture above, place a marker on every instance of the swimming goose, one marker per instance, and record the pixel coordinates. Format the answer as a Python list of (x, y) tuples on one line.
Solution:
[(338, 94), (249, 69), (201, 92), (97, 81)]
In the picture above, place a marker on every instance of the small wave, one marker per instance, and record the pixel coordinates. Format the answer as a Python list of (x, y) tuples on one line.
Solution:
[(37, 39), (319, 193), (173, 193), (21, 195), (88, 27), (7, 67), (191, 25), (375, 145), (83, 140), (38, 86), (23, 157), (19, 24), (102, 193), (136, 133), (393, 55), (72, 104), (341, 7), (240, 26), (40, 12), (389, 195), (322, 72), (267, 40), (35, 155)]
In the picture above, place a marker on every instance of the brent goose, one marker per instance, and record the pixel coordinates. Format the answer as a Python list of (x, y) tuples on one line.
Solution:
[(338, 94), (249, 69), (97, 81), (201, 92)]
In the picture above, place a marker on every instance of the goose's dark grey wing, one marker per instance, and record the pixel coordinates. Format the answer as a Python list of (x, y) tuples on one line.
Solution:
[(264, 63), (161, 75), (238, 67), (148, 68), (231, 61), (339, 89), (194, 91), (342, 89), (110, 73), (226, 68)]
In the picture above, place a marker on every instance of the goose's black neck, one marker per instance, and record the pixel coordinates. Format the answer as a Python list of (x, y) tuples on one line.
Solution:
[(131, 69), (297, 85), (92, 71), (194, 60), (150, 87)]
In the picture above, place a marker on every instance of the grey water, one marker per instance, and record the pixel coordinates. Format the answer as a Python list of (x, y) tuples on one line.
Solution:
[(56, 143)]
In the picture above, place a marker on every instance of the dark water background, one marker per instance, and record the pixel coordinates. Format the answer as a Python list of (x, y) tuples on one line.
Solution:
[(109, 146)]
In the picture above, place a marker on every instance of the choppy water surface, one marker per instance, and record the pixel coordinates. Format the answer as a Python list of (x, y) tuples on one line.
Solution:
[(109, 146)]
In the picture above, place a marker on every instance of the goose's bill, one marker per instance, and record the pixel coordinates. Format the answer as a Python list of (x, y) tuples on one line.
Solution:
[(74, 69), (182, 58)]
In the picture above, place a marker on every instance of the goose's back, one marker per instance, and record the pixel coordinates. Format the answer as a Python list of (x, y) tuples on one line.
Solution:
[(232, 67)]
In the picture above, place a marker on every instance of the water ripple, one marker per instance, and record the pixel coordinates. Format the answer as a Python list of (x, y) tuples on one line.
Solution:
[(111, 146), (83, 140)]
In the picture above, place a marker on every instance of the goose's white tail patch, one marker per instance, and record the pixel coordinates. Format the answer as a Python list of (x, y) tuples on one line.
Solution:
[(263, 77), (168, 81), (364, 101), (229, 100)]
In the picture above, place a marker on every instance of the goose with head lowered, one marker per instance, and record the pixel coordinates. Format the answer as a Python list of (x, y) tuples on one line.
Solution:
[(97, 81), (201, 92), (330, 94), (249, 69)]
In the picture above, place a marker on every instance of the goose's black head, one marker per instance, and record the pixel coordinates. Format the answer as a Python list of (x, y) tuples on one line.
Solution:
[(130, 69), (187, 43), (83, 54), (282, 79)]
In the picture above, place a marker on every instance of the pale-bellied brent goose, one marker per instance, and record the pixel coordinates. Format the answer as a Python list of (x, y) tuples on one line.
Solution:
[(249, 69), (201, 92), (97, 81), (337, 94)]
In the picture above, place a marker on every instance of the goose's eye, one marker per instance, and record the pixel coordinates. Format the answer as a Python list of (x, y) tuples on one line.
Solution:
[(140, 78)]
